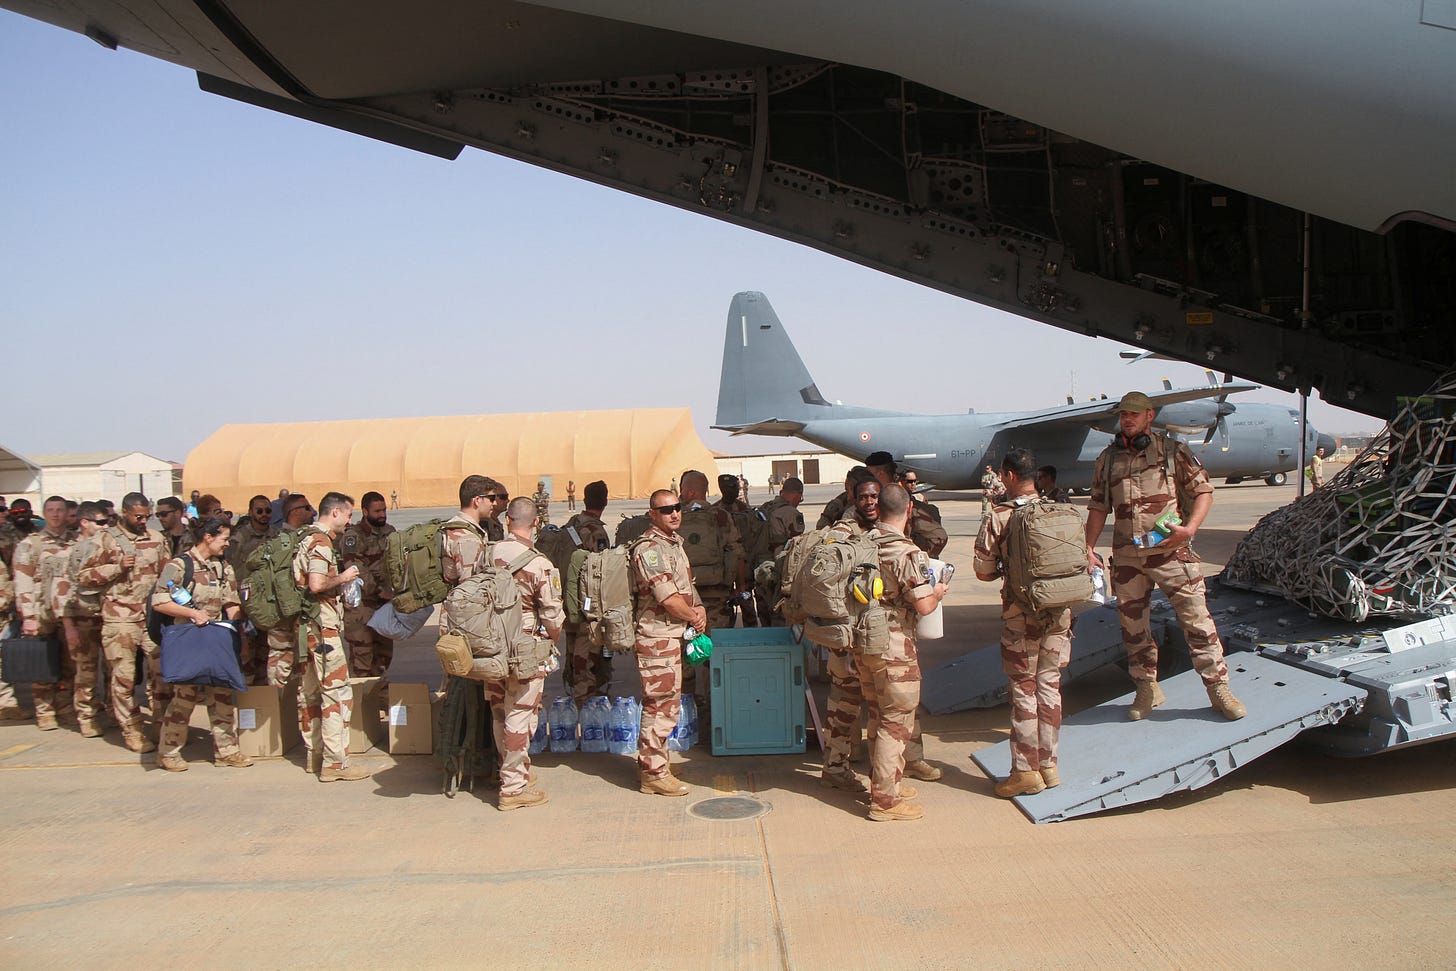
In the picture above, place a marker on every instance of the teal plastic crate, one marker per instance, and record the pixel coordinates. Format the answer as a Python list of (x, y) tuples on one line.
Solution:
[(756, 687)]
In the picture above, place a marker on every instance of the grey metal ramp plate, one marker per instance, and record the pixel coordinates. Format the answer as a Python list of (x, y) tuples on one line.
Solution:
[(975, 680), (1106, 761)]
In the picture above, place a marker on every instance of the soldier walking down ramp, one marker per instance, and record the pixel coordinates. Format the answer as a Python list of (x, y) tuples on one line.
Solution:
[(1035, 644), (1143, 477), (667, 605)]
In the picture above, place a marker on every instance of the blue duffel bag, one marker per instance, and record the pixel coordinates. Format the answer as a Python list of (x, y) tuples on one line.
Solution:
[(206, 655)]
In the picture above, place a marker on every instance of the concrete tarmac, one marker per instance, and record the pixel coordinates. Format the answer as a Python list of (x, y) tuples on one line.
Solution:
[(1299, 859)]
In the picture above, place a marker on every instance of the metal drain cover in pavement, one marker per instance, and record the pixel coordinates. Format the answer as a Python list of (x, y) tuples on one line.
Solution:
[(729, 807)]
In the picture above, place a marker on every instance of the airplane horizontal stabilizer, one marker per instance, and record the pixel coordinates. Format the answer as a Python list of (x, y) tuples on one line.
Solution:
[(771, 426)]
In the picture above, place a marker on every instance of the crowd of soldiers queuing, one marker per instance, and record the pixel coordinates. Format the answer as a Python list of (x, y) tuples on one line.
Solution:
[(130, 563)]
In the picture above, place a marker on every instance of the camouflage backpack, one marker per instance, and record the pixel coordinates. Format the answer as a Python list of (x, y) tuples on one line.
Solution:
[(412, 562), (630, 528), (704, 542), (485, 609), (557, 543), (86, 599), (753, 530), (1045, 556), (271, 597), (605, 595), (829, 582)]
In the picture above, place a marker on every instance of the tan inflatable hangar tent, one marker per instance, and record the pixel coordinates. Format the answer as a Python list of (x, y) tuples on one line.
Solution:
[(423, 459)]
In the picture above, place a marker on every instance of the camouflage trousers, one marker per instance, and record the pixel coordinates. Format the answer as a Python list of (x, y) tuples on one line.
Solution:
[(891, 686), (282, 656), (662, 688), (122, 642), (842, 710), (325, 700), (54, 699), (588, 673), (515, 707), (86, 658), (8, 701), (186, 697), (369, 651), (1178, 576), (1034, 649)]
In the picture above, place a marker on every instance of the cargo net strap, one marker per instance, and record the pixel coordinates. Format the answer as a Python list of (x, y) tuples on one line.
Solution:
[(1378, 538)]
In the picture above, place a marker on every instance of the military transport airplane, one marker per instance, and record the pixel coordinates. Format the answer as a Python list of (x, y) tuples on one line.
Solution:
[(1264, 188), (765, 389)]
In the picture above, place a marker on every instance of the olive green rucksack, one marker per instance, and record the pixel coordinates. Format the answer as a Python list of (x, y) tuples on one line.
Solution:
[(704, 542), (271, 597), (412, 561), (630, 528), (1045, 556)]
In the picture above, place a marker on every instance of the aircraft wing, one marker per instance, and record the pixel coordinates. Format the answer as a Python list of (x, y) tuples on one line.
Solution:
[(1104, 409), (768, 426)]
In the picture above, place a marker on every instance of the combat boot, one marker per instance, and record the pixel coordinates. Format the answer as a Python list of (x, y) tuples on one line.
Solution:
[(173, 763), (522, 800), (901, 810), (349, 773), (235, 761), (1026, 783), (15, 714), (1224, 701), (1149, 696), (907, 791), (138, 742), (47, 723), (1050, 776), (89, 729), (663, 786), (846, 780), (922, 770)]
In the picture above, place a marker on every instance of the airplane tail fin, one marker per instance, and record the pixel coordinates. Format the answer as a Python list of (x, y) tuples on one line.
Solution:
[(763, 376)]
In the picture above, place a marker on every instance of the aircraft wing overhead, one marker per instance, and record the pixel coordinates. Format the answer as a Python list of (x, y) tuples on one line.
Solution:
[(769, 426), (1104, 409)]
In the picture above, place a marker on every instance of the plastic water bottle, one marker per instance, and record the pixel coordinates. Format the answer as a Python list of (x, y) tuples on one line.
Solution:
[(622, 737), (563, 719), (354, 592), (595, 714), (539, 737), (179, 595), (690, 710), (677, 739)]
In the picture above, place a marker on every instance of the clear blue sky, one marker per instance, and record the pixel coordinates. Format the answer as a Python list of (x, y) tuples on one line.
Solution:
[(172, 262)]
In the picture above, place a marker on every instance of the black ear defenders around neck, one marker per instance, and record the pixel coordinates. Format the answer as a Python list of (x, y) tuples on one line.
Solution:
[(1139, 443)]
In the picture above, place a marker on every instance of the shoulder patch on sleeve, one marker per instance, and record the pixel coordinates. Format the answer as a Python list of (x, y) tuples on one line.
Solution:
[(652, 559)]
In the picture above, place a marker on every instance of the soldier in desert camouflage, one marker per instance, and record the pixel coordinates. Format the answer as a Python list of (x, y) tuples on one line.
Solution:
[(515, 702), (214, 593), (363, 544), (41, 586), (1131, 482), (891, 680), (325, 698), (667, 605), (1035, 645), (126, 561)]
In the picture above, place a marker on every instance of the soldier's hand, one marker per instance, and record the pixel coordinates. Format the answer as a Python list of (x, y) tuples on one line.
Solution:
[(30, 627), (1093, 561), (350, 574), (700, 618), (1178, 536), (199, 617), (128, 561)]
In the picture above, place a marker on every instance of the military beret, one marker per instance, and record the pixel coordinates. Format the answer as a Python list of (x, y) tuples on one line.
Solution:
[(1135, 401)]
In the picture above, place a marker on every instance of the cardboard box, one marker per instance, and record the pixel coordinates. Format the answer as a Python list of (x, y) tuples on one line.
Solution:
[(411, 717), (267, 719), (366, 730)]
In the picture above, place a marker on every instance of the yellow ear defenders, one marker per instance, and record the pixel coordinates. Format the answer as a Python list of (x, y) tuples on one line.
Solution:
[(875, 591)]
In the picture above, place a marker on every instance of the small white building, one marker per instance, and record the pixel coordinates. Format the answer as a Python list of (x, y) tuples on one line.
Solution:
[(104, 475), (814, 466), (19, 478)]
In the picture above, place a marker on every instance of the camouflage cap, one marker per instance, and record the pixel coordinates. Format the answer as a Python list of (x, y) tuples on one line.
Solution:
[(1135, 401)]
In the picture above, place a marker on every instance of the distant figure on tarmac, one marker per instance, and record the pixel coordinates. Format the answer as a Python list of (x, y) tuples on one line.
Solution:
[(393, 499), (542, 498), (571, 495)]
